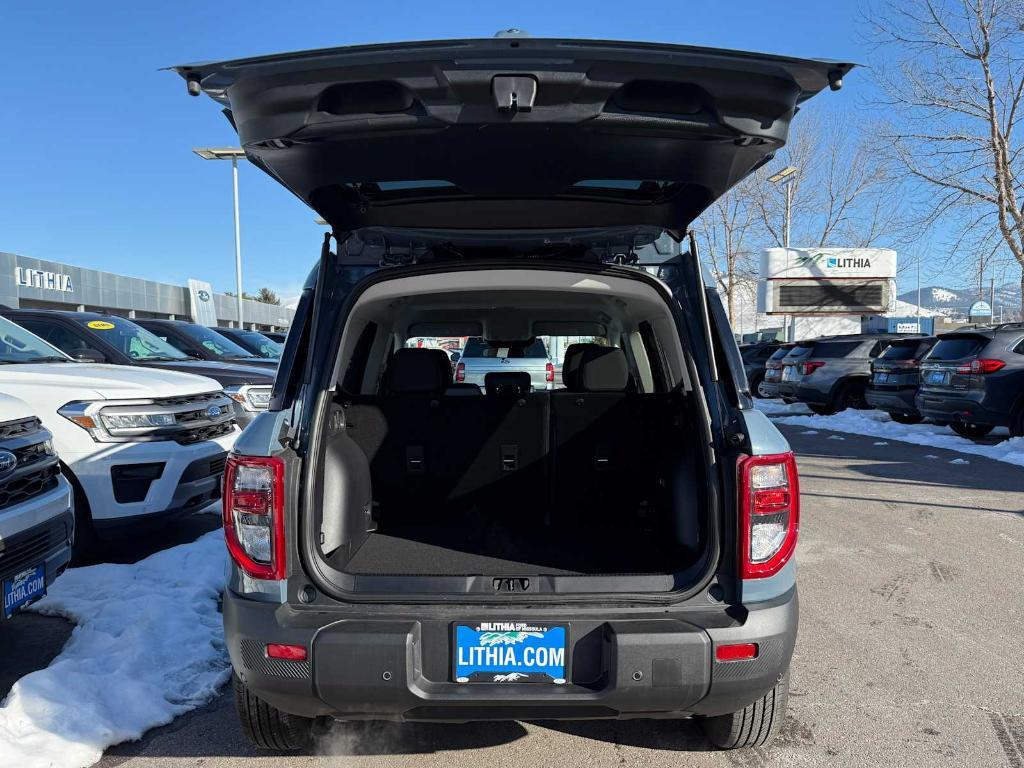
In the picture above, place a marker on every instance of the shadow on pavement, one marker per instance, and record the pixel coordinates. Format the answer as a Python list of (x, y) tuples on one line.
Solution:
[(131, 549), (29, 642)]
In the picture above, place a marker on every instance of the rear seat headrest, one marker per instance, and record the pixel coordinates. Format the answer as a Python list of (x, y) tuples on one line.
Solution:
[(418, 370), (601, 369), (507, 383), (571, 364)]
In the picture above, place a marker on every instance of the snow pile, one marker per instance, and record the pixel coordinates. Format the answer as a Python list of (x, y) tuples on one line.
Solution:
[(148, 647), (878, 424), (777, 407)]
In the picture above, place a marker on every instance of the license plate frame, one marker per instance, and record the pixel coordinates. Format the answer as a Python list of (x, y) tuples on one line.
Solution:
[(508, 652), (936, 378), (882, 378), (24, 588)]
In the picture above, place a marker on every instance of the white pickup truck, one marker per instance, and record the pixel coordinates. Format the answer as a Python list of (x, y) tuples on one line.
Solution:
[(37, 522), (138, 445)]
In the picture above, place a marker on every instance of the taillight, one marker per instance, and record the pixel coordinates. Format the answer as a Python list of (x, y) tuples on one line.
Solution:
[(549, 372), (769, 514), (807, 369), (254, 514), (980, 365), (460, 372)]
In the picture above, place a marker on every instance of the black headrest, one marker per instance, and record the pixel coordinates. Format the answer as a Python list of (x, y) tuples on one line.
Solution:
[(507, 383), (601, 369), (571, 364), (418, 370)]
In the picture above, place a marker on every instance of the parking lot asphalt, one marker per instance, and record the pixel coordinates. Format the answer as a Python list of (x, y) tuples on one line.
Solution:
[(911, 573)]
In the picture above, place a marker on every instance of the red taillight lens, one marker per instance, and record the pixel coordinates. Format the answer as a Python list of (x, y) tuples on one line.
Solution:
[(549, 372), (736, 652), (769, 514), (287, 652), (254, 514), (807, 369), (460, 372), (980, 366)]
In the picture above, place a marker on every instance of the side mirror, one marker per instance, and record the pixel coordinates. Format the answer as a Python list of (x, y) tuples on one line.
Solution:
[(88, 355), (455, 356)]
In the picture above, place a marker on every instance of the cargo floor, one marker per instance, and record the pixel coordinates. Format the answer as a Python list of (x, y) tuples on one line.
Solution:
[(505, 550)]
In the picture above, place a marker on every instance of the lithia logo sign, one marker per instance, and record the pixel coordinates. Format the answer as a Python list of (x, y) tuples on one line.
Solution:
[(833, 262)]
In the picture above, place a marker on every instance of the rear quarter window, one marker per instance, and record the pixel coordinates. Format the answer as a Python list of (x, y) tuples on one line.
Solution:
[(835, 349), (900, 352), (957, 348)]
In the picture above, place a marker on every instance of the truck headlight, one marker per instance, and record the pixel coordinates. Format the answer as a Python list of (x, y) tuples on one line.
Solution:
[(116, 421), (252, 398), (173, 418)]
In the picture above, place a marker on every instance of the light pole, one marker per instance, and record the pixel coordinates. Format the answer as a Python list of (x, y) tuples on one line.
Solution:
[(233, 154), (786, 177)]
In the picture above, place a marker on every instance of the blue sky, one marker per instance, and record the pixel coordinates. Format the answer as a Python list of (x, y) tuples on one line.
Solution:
[(96, 167)]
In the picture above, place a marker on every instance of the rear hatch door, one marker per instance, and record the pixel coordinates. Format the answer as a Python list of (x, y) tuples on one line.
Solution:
[(948, 366), (511, 133)]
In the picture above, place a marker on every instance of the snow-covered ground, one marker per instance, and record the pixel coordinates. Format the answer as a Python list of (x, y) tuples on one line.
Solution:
[(878, 424), (148, 646)]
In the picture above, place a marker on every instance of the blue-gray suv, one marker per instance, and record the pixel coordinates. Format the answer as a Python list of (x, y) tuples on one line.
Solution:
[(405, 546)]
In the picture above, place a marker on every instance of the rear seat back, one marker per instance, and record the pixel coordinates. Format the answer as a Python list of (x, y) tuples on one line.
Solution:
[(606, 439), (586, 456), (400, 430)]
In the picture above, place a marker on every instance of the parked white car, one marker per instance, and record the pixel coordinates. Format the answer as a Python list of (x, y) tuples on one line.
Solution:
[(138, 445), (37, 521)]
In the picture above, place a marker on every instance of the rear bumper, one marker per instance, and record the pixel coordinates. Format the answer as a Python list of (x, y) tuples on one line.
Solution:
[(892, 401), (814, 395), (366, 667), (951, 407)]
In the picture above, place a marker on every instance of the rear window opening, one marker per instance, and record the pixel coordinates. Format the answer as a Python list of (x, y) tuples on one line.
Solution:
[(906, 350), (431, 485), (957, 348)]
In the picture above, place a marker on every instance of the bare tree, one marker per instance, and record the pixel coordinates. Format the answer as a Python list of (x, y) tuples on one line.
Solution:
[(729, 228), (842, 193), (953, 76)]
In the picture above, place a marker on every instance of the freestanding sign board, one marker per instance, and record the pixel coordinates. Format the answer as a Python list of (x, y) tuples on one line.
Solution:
[(200, 294), (836, 281)]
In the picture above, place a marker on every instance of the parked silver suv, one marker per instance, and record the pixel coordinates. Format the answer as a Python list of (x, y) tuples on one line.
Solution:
[(481, 357)]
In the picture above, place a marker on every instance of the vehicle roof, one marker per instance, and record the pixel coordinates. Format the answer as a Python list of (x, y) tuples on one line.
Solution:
[(70, 313)]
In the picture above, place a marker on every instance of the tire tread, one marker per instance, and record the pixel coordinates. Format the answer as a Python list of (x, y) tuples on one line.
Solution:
[(268, 727)]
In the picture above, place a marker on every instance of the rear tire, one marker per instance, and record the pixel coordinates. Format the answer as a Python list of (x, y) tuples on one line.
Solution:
[(1017, 426), (756, 387), (752, 726), (906, 418), (851, 395), (268, 727), (970, 431)]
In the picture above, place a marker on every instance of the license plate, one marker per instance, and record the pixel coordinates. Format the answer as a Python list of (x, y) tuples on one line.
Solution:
[(26, 587), (510, 652), (882, 378), (788, 374), (935, 377)]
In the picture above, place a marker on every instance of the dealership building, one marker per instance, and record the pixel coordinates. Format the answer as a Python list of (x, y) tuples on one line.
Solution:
[(27, 283)]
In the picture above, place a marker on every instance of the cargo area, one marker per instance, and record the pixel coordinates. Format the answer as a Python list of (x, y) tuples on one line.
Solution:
[(427, 476)]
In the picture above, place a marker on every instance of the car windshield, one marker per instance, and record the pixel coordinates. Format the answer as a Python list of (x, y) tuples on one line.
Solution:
[(257, 343), (19, 346), (131, 339), (477, 347), (214, 343)]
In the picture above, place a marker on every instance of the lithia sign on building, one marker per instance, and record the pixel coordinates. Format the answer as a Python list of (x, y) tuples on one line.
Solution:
[(39, 278)]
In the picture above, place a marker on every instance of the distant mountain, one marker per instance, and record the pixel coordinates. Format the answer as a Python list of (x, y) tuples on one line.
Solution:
[(954, 302)]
